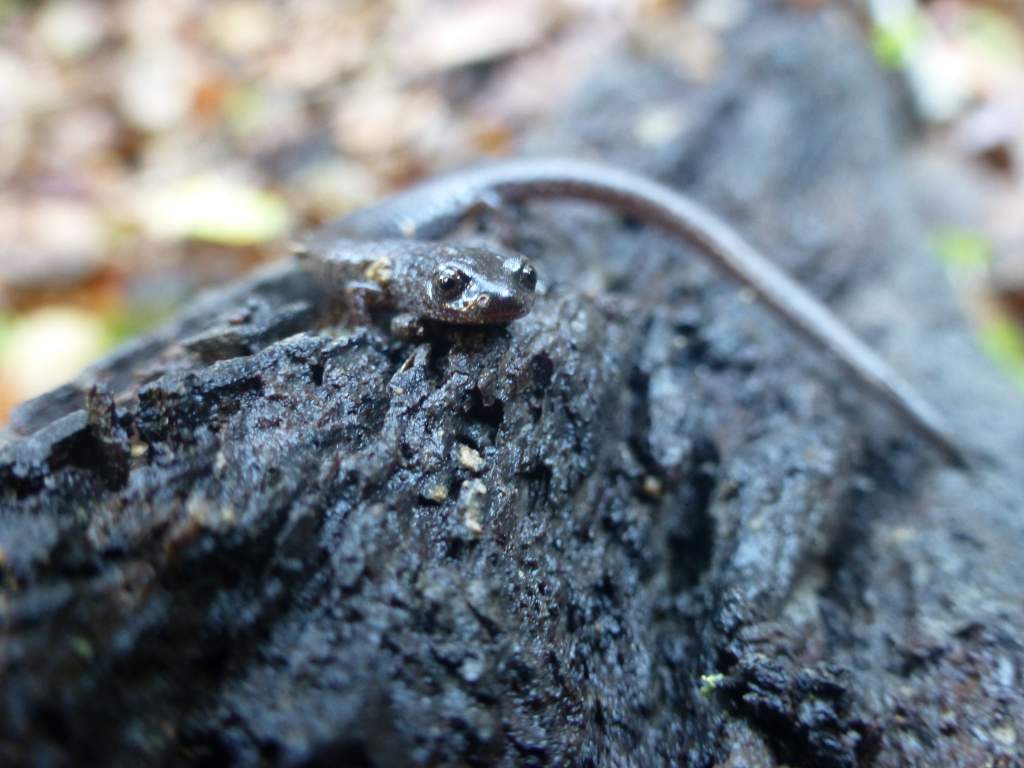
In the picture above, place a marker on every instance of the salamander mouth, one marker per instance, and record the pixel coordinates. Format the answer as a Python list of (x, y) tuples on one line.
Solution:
[(496, 308), (493, 308)]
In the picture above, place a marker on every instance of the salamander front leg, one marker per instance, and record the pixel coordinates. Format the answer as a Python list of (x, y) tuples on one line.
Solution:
[(361, 299), (408, 327)]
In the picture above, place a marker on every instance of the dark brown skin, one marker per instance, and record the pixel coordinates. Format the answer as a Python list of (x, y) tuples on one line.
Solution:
[(434, 209), (460, 284)]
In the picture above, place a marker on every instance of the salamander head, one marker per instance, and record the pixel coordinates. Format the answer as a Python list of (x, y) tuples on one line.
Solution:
[(471, 285)]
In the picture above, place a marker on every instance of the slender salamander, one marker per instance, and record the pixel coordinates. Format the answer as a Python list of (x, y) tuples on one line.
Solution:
[(435, 208), (450, 283)]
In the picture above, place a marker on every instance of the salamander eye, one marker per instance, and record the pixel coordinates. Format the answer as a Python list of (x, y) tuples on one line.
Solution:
[(449, 282), (527, 276)]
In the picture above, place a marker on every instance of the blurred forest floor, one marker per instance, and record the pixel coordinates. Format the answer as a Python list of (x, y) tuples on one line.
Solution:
[(150, 147)]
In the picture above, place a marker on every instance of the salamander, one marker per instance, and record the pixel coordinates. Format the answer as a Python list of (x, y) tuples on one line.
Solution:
[(444, 282), (433, 209)]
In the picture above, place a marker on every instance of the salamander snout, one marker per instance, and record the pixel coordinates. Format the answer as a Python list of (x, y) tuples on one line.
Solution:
[(479, 286)]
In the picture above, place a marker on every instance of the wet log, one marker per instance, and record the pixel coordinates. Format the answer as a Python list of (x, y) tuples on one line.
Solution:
[(643, 525)]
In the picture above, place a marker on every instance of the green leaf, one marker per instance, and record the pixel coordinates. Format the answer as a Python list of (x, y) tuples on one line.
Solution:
[(962, 249), (894, 41), (125, 323), (1003, 339)]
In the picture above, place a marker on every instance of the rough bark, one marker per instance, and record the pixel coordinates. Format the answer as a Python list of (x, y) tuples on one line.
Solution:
[(642, 526)]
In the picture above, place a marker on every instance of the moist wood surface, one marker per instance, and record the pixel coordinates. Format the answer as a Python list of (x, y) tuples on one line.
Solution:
[(641, 526)]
